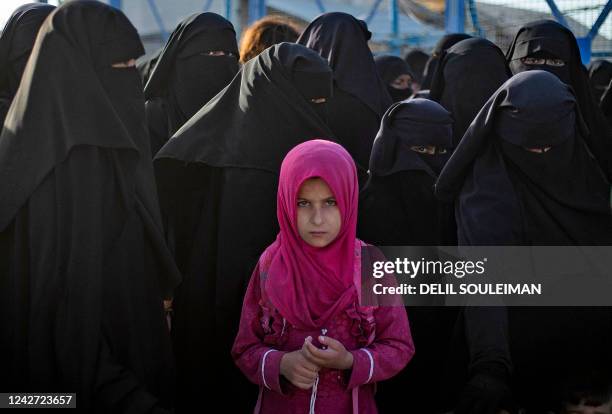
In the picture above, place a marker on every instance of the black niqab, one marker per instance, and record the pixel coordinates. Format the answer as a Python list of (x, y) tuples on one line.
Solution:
[(83, 263), (389, 68), (16, 43), (443, 44), (563, 188), (549, 39), (467, 75), (218, 178), (397, 204), (186, 76)]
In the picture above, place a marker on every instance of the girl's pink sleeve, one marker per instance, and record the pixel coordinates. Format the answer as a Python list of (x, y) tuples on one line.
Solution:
[(389, 353), (257, 361)]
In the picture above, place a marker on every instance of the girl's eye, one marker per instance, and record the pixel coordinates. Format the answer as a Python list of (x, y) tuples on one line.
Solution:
[(419, 148), (302, 203), (442, 151), (331, 202)]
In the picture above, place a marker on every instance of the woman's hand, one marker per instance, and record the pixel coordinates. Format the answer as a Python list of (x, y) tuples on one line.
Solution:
[(298, 370), (335, 356)]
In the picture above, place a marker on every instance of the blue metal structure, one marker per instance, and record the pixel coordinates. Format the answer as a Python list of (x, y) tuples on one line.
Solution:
[(455, 16), (257, 10), (454, 19)]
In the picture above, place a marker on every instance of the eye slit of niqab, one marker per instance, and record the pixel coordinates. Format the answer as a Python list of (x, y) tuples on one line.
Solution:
[(318, 100), (218, 53), (538, 150), (131, 63)]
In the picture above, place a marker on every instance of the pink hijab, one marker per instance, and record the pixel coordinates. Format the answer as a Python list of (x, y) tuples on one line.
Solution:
[(310, 285)]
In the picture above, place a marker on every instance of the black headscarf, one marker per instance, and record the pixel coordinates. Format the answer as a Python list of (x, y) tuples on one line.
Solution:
[(467, 75), (443, 44), (417, 59), (218, 178), (16, 43), (600, 74), (549, 39), (84, 265), (343, 41), (389, 68), (185, 76), (508, 195)]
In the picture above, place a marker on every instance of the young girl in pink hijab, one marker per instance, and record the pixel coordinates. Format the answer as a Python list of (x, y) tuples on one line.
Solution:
[(303, 336)]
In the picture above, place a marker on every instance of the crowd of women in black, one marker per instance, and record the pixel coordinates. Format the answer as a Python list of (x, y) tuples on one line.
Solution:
[(127, 208)]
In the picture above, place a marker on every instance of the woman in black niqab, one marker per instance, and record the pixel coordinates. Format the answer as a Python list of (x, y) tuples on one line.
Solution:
[(522, 175), (397, 207), (467, 74), (218, 178), (200, 59), (16, 44), (360, 97), (396, 75), (83, 264), (547, 45), (443, 44)]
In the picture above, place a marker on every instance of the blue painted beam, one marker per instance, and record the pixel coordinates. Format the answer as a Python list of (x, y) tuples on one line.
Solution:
[(394, 44), (114, 3), (372, 11), (228, 9), (557, 13), (600, 20), (257, 10), (455, 16), (584, 44)]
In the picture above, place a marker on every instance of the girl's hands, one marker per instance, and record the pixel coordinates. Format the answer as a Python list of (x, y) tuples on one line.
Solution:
[(335, 356), (298, 370)]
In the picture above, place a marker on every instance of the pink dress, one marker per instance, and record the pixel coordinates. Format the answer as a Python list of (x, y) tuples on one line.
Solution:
[(379, 339)]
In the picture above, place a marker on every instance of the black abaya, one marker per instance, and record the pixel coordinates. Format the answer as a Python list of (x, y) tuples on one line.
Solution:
[(85, 267), (511, 196)]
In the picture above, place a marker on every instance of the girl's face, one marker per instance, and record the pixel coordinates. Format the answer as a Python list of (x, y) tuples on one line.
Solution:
[(318, 215)]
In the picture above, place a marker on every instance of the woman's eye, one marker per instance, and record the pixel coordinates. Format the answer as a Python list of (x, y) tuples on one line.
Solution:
[(331, 202), (534, 61), (302, 203), (419, 148), (555, 62)]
